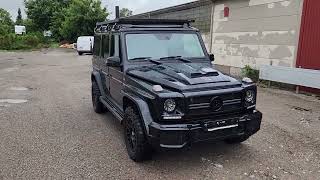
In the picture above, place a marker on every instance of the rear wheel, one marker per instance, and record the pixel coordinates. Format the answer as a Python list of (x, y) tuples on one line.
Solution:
[(237, 140), (80, 53), (96, 94), (136, 142)]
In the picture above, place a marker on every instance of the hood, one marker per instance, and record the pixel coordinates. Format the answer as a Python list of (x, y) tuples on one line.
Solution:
[(182, 75)]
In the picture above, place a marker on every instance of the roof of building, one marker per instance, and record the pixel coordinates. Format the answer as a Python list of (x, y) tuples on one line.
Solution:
[(176, 8)]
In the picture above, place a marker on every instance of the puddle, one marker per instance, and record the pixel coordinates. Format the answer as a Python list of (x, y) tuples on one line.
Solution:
[(297, 108), (4, 105), (13, 101), (19, 89), (300, 108), (10, 69)]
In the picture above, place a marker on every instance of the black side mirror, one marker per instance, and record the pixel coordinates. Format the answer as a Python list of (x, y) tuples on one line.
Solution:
[(211, 56), (113, 61)]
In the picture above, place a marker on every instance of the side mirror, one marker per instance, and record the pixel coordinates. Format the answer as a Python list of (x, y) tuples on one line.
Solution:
[(211, 56), (113, 61)]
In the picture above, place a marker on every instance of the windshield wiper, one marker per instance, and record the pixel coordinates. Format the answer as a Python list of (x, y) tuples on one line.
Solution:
[(140, 58), (146, 58), (177, 58)]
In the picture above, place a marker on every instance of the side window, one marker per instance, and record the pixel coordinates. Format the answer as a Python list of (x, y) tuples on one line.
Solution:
[(96, 45), (106, 46), (115, 45)]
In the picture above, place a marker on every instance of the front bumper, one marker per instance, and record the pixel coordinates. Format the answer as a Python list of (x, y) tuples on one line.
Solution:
[(180, 135)]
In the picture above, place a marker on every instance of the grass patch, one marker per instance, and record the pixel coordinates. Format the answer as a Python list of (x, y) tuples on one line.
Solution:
[(251, 73)]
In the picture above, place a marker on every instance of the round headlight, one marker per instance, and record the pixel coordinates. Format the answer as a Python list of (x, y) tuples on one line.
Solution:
[(169, 105), (249, 96)]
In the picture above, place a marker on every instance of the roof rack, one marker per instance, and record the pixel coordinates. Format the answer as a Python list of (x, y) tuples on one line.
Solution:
[(146, 21), (140, 23)]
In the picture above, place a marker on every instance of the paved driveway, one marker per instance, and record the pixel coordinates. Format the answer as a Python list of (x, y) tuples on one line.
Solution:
[(49, 130)]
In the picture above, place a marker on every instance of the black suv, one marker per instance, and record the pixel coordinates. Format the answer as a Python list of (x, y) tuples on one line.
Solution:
[(156, 77)]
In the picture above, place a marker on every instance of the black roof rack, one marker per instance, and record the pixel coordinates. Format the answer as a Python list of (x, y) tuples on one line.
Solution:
[(129, 21), (120, 23)]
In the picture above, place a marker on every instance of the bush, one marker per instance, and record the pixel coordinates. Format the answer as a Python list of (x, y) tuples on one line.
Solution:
[(249, 72), (22, 42), (6, 41)]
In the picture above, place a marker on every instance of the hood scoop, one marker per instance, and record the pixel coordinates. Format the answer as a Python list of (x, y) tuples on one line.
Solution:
[(189, 70), (179, 74), (204, 72)]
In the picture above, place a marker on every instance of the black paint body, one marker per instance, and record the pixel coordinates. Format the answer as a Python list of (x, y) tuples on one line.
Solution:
[(193, 85)]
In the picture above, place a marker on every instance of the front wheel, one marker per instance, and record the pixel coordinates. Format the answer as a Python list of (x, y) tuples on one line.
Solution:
[(136, 142), (80, 53)]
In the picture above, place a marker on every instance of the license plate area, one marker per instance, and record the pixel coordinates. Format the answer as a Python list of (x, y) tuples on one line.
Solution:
[(221, 124)]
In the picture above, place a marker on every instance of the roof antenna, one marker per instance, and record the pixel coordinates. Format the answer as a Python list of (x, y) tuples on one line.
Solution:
[(117, 12)]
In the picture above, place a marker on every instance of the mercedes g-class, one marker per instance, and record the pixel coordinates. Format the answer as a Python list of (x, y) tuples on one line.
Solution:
[(157, 78)]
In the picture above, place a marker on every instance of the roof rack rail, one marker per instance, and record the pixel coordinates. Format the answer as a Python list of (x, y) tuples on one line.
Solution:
[(146, 21), (135, 23)]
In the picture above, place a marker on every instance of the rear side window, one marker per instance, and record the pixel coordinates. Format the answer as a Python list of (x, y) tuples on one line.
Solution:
[(105, 46), (115, 48), (96, 46)]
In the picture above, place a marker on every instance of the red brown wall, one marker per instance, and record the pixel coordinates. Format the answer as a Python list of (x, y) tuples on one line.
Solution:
[(309, 42)]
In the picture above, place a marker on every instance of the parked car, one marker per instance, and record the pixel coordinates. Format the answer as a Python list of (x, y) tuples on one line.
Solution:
[(156, 77), (84, 44)]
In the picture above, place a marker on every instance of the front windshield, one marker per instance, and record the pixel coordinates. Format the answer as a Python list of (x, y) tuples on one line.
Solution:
[(159, 45)]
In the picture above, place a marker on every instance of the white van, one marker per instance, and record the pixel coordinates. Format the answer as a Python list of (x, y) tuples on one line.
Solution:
[(85, 44)]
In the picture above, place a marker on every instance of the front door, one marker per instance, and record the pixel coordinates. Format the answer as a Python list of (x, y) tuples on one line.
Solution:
[(115, 73)]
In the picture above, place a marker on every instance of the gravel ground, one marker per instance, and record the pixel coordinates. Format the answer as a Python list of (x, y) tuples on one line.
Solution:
[(48, 130)]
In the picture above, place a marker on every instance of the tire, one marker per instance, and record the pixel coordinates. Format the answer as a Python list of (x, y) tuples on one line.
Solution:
[(80, 53), (96, 94), (136, 142), (237, 140)]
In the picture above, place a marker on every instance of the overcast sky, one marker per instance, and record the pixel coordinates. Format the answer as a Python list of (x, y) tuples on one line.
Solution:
[(137, 6)]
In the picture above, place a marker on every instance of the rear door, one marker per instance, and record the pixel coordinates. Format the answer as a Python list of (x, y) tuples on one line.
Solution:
[(105, 53)]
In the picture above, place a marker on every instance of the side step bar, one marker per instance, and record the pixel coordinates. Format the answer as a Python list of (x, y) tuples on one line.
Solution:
[(112, 108)]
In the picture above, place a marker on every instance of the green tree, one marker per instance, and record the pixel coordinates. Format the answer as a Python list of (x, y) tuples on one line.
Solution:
[(30, 25), (6, 24), (41, 12), (55, 26), (124, 12), (19, 20), (80, 18)]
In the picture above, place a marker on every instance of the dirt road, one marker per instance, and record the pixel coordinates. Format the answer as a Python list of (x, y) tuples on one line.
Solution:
[(49, 130)]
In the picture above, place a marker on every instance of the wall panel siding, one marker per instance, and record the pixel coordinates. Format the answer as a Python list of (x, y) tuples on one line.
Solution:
[(257, 32)]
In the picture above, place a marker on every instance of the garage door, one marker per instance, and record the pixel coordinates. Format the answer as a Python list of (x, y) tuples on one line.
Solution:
[(309, 43)]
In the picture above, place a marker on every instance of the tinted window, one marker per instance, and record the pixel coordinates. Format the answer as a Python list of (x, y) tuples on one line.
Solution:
[(114, 50), (106, 46), (96, 46), (157, 45)]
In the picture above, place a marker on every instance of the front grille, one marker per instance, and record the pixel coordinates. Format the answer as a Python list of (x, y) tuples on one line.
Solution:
[(203, 105)]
